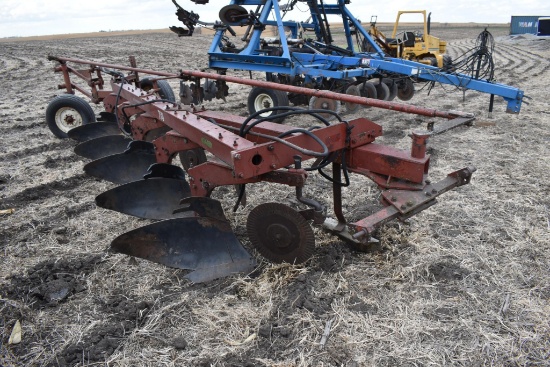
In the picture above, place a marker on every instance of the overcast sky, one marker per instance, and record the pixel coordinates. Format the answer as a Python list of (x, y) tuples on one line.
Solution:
[(20, 18)]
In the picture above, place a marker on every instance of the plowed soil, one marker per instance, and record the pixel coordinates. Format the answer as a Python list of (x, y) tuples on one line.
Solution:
[(464, 283)]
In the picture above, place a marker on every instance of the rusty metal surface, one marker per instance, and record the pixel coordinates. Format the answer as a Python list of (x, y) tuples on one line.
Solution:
[(403, 204), (388, 161), (395, 106)]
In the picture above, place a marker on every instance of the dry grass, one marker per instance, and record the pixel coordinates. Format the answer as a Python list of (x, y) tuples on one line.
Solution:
[(466, 283)]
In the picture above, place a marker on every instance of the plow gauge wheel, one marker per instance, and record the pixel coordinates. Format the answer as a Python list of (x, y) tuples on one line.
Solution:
[(280, 233), (66, 112)]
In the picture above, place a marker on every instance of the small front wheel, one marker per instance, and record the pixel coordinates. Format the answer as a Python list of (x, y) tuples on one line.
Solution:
[(263, 98), (66, 112)]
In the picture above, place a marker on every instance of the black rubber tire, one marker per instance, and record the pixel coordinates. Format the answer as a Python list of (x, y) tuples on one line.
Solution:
[(165, 90), (66, 112), (392, 86), (448, 63), (382, 91), (262, 97), (432, 60)]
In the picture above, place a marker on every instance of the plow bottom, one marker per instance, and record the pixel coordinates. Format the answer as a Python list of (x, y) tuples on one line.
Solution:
[(206, 246)]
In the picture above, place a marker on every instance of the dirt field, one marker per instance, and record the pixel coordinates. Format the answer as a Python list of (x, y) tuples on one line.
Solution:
[(465, 283)]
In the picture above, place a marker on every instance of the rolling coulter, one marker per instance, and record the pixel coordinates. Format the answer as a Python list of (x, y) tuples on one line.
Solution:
[(143, 129)]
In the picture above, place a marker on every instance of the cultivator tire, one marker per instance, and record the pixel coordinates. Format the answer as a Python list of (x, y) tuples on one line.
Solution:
[(261, 98), (280, 233), (165, 90), (66, 112)]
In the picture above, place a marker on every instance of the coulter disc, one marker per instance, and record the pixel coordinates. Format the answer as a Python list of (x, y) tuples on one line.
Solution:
[(280, 233)]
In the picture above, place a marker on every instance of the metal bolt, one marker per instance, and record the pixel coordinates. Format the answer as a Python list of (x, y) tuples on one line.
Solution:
[(220, 136), (434, 191), (185, 140), (393, 198), (270, 147), (237, 156), (410, 203), (428, 182), (403, 207), (235, 143), (273, 166), (428, 193), (241, 175)]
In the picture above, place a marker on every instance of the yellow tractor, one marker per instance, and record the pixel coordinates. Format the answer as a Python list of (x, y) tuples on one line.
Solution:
[(410, 44)]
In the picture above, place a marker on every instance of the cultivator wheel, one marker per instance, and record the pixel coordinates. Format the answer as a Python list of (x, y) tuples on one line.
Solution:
[(280, 233), (65, 112), (263, 98)]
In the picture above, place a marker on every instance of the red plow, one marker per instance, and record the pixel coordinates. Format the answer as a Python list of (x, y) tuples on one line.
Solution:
[(143, 129)]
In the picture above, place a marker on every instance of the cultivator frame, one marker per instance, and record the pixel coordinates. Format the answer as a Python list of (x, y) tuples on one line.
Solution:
[(291, 58), (153, 131)]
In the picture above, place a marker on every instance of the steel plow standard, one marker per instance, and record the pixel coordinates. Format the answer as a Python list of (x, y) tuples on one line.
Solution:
[(206, 246)]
